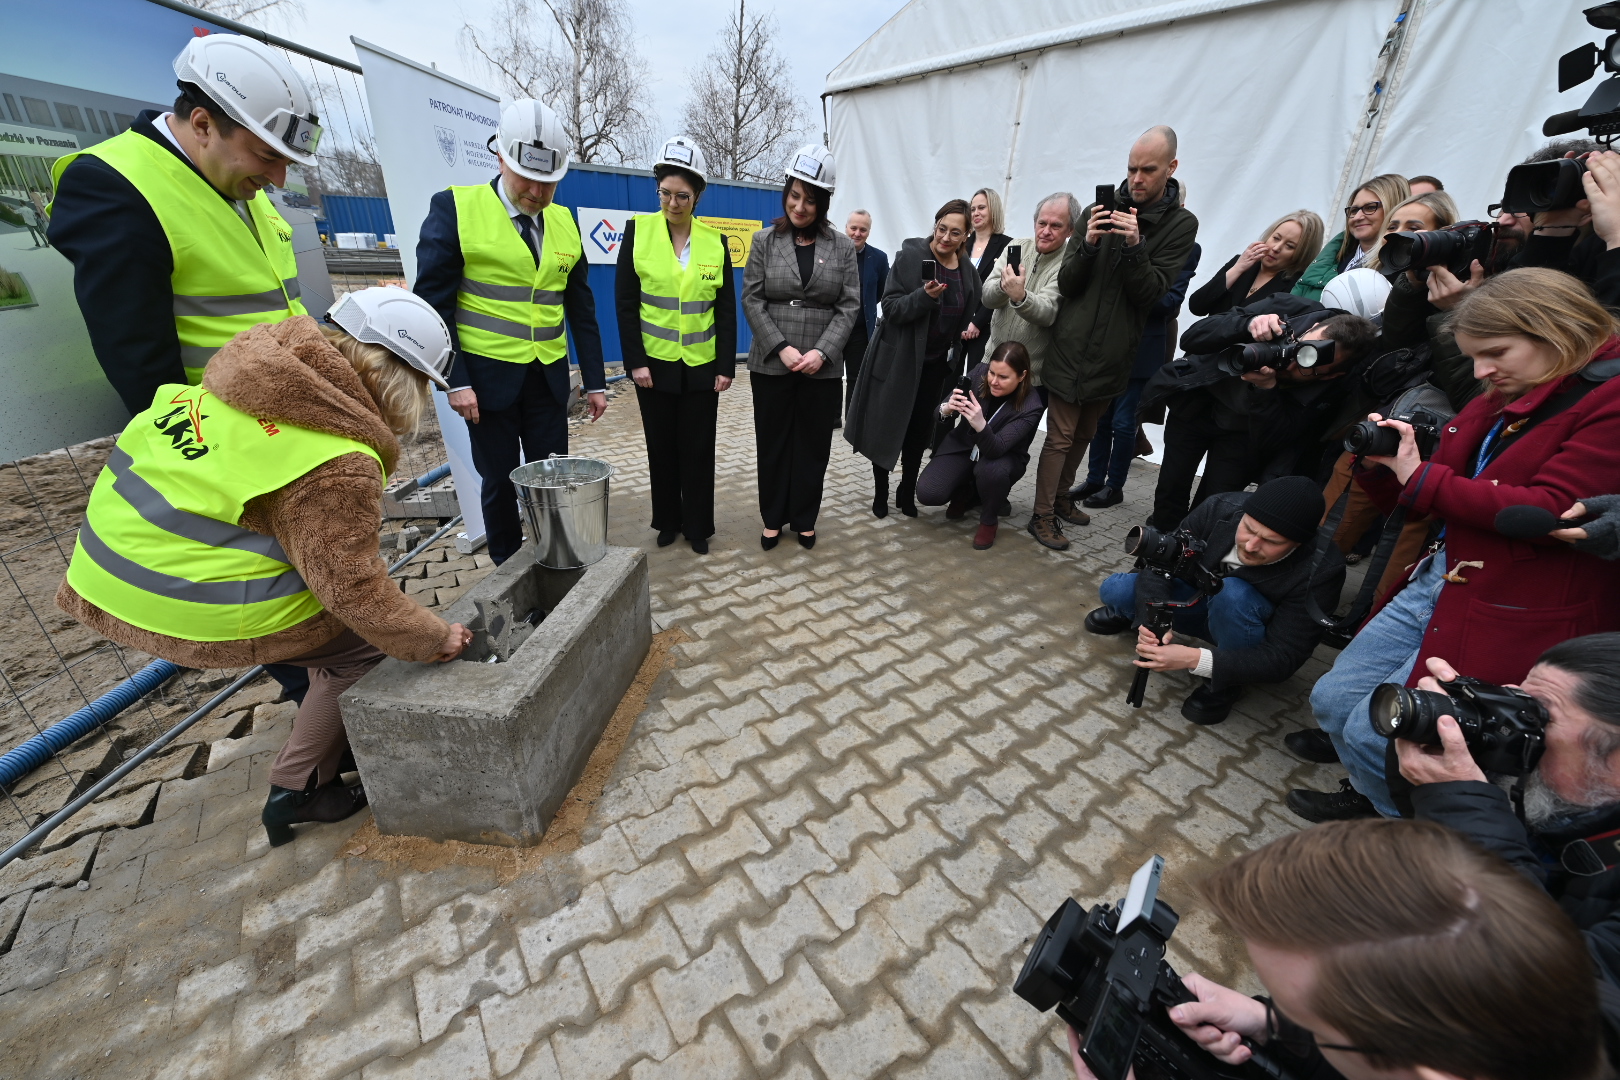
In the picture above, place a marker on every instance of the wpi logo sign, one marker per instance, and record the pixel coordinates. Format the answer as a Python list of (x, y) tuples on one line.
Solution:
[(606, 238)]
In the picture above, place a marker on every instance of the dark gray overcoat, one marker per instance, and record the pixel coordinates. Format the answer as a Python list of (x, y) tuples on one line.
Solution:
[(886, 389)]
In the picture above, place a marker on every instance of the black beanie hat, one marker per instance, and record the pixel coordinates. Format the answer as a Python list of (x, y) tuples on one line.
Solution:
[(1289, 505)]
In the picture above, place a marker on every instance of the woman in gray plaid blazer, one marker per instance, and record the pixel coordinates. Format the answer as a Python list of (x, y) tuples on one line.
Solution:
[(802, 295)]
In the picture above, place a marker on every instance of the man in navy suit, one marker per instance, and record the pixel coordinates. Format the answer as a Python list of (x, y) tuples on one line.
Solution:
[(873, 264), (503, 265)]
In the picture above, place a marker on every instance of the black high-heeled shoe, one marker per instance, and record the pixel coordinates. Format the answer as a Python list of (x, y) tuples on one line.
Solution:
[(880, 494), (905, 498), (807, 541), (667, 537), (286, 808), (768, 542), (701, 547)]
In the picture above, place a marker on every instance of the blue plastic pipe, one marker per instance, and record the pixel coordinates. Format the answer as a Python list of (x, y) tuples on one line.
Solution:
[(427, 479), (19, 762)]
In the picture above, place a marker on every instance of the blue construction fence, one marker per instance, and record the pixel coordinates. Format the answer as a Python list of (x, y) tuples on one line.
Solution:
[(356, 213)]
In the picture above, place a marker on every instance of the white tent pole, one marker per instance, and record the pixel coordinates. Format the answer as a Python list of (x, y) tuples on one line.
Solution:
[(1392, 58), (1012, 143)]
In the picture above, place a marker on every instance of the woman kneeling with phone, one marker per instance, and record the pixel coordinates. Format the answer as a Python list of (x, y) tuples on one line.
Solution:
[(986, 452)]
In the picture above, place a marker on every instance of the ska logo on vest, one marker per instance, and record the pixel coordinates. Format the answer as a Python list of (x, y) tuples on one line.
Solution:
[(708, 271), (565, 262), (183, 426)]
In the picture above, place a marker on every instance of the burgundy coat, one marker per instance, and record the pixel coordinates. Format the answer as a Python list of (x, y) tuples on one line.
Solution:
[(1493, 620)]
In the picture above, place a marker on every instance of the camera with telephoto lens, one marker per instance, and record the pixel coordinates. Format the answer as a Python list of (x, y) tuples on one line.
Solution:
[(1172, 555), (1277, 355), (1505, 728), (1104, 970), (1423, 406), (1455, 247)]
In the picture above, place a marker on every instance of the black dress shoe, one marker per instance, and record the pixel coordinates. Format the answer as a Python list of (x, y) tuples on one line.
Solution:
[(807, 541), (667, 537), (1105, 497), (905, 499), (1346, 804), (1081, 491), (768, 542), (286, 808), (701, 546), (1102, 621), (1312, 744), (1207, 705)]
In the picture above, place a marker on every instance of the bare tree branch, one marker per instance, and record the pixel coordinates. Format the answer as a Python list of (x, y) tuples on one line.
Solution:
[(250, 10), (576, 56), (742, 109)]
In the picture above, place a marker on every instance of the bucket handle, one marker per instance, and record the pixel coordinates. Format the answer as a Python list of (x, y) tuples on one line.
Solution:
[(612, 471)]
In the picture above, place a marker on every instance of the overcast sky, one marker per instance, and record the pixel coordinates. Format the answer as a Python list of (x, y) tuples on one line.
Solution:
[(673, 36)]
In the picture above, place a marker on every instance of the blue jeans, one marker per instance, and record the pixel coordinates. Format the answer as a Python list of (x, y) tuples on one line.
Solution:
[(1234, 618), (1383, 652), (1114, 445)]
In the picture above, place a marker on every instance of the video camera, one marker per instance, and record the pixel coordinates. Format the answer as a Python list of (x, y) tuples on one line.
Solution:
[(1105, 972), (1505, 728), (1455, 247), (1426, 408), (1169, 557), (1276, 355), (1556, 185)]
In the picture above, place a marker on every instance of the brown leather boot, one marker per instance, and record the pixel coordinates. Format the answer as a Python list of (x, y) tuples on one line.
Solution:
[(1064, 507), (1046, 530)]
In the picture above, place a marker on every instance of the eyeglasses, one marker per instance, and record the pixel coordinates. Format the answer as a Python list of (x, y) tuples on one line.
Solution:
[(1369, 209), (950, 234), (681, 197), (1297, 1040)]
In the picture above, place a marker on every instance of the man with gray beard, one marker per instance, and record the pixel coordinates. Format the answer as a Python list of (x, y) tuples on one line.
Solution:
[(1569, 838)]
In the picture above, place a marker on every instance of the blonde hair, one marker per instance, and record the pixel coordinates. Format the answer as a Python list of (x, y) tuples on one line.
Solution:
[(1544, 305), (1441, 205), (1310, 239), (400, 391), (1391, 189), (992, 202)]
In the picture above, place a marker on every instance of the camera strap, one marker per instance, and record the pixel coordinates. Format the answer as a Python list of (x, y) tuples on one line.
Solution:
[(1592, 855), (1588, 379)]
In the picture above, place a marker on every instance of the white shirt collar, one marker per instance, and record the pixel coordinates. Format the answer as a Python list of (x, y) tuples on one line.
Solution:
[(511, 207), (162, 124)]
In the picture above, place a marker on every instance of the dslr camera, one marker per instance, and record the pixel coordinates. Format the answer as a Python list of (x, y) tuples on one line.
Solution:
[(1505, 728), (1423, 406), (1172, 555), (1455, 247), (1105, 972), (1556, 185), (1276, 355)]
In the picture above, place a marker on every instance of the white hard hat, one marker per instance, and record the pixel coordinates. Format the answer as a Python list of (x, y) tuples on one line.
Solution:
[(683, 153), (813, 164), (532, 141), (400, 320), (1361, 291), (257, 88)]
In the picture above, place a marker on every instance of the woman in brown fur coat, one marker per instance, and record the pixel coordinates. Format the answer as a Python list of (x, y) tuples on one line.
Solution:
[(296, 377)]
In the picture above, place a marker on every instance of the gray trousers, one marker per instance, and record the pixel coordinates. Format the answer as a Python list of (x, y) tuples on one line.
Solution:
[(318, 740)]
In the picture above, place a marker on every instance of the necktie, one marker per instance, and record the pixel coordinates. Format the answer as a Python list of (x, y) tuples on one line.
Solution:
[(526, 227)]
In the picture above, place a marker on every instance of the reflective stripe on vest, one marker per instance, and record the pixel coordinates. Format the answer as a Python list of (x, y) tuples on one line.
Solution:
[(507, 307), (677, 303), (160, 547), (223, 280)]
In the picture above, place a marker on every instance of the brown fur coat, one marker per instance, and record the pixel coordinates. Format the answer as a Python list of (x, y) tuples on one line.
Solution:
[(326, 520)]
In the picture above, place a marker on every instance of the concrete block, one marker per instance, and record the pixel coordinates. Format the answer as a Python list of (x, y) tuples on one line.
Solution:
[(483, 749)]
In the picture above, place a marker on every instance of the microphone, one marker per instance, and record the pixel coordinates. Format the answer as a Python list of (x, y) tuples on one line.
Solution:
[(1531, 522)]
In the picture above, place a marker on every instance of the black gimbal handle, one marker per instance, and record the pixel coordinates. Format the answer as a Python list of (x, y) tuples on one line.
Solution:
[(1160, 615)]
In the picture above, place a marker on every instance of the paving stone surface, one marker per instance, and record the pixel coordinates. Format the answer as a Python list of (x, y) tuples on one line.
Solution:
[(873, 771)]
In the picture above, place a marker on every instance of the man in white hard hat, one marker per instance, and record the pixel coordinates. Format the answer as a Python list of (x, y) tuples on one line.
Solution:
[(502, 263), (236, 523), (175, 248)]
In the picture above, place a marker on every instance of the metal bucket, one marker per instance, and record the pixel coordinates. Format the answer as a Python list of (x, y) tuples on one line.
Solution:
[(565, 504)]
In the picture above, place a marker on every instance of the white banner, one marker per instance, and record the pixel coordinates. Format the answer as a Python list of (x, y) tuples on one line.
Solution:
[(432, 131), (602, 231)]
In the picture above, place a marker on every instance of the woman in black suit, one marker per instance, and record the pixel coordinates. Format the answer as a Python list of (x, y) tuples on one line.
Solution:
[(984, 245), (1272, 264), (677, 312)]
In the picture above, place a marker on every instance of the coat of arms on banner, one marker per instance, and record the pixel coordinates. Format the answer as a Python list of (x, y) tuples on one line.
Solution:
[(447, 143)]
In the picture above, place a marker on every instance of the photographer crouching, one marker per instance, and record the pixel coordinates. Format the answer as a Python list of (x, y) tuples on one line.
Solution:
[(1241, 565), (1569, 835), (1395, 950)]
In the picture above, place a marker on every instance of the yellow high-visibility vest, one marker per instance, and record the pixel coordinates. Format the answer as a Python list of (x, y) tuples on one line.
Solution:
[(508, 308), (224, 280), (160, 547), (677, 304)]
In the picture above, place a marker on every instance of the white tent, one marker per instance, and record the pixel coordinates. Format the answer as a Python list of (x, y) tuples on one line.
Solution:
[(1279, 104)]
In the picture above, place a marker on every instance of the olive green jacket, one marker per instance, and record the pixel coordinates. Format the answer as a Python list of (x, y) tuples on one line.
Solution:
[(1108, 294)]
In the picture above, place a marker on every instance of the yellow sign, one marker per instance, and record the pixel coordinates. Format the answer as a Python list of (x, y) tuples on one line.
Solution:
[(739, 236)]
